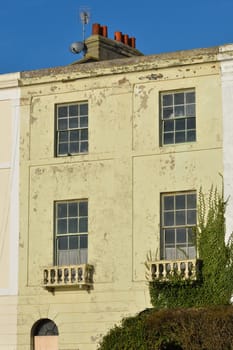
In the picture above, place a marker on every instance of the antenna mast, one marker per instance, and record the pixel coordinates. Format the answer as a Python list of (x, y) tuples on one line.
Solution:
[(85, 17)]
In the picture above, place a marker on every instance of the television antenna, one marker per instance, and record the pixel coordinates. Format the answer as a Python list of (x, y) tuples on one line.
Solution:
[(79, 46), (85, 15)]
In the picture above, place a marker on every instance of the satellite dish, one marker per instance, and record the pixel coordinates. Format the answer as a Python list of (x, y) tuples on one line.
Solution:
[(77, 47)]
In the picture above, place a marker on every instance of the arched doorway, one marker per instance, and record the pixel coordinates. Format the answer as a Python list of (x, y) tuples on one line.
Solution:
[(45, 335)]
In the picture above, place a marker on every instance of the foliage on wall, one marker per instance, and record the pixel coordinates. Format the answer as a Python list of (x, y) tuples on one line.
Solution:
[(215, 286)]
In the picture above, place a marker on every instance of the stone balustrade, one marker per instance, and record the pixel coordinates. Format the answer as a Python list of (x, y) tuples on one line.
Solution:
[(163, 270), (63, 276)]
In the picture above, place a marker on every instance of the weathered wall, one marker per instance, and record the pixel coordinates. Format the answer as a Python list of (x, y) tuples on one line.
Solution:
[(122, 176), (9, 212)]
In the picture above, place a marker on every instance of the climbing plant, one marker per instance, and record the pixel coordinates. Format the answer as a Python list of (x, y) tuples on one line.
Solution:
[(215, 287), (203, 318)]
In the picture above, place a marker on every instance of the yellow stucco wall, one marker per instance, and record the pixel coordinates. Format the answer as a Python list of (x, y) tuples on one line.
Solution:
[(122, 177)]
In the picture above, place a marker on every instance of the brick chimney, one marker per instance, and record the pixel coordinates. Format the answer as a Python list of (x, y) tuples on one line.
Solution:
[(100, 47)]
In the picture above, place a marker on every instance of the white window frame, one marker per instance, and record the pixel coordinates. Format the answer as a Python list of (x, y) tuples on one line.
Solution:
[(178, 222), (71, 232), (177, 117), (71, 128)]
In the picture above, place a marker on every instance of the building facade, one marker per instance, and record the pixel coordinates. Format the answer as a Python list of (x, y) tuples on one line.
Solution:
[(113, 151), (9, 208)]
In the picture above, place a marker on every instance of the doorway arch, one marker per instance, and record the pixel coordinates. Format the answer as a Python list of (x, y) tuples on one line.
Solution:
[(45, 335)]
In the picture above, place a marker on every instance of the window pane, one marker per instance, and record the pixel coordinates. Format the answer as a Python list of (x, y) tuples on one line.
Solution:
[(168, 138), (191, 237), (170, 236), (83, 209), (84, 134), (73, 123), (63, 243), (191, 136), (180, 201), (191, 201), (83, 225), (190, 110), (191, 123), (191, 217), (63, 136), (84, 147), (74, 135), (190, 97), (73, 110), (63, 148), (83, 122), (74, 147), (62, 124), (73, 225), (62, 112), (61, 226), (83, 241), (179, 137), (167, 100), (180, 124), (62, 210), (179, 98), (73, 209), (84, 109), (168, 202), (181, 235), (168, 219), (168, 125), (179, 111), (167, 113), (73, 242), (180, 217)]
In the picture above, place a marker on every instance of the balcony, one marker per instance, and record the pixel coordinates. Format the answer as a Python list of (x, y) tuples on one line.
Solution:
[(164, 270), (65, 276)]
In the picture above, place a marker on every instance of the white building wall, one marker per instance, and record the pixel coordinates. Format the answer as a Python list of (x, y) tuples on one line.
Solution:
[(9, 208), (226, 59)]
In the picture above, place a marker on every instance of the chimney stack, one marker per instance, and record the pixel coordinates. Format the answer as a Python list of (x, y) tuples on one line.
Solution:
[(98, 29)]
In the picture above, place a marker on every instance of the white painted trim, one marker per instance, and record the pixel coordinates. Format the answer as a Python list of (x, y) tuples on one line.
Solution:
[(227, 117), (6, 165), (12, 95)]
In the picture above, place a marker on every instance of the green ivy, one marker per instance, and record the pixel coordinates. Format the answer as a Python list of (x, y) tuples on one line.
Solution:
[(215, 287)]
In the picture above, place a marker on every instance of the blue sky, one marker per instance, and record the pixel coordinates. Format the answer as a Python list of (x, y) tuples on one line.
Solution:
[(37, 33)]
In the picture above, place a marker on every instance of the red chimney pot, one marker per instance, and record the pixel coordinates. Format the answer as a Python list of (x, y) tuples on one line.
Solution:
[(118, 36), (132, 42), (95, 29), (104, 31), (126, 39)]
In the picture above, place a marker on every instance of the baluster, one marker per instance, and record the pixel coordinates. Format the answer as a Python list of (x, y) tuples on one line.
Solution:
[(80, 274)]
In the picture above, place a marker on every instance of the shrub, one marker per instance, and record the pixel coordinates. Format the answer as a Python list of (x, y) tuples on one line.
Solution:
[(174, 329)]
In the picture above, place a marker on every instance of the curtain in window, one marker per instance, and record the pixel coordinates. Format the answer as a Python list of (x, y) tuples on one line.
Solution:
[(72, 257), (180, 253)]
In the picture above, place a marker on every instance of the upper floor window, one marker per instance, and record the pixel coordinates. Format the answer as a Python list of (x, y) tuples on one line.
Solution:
[(178, 117), (71, 232), (178, 220), (71, 129)]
